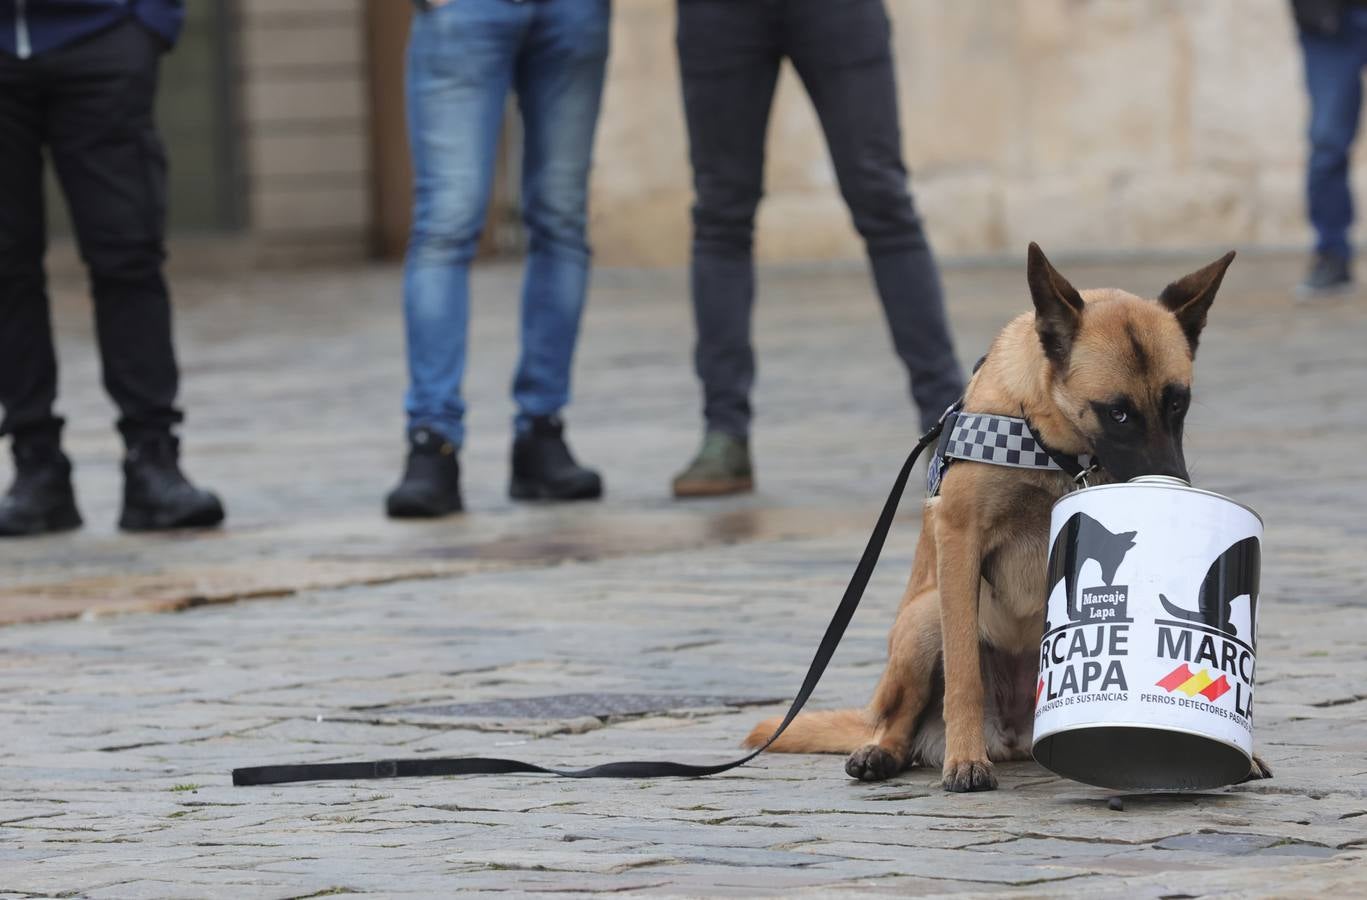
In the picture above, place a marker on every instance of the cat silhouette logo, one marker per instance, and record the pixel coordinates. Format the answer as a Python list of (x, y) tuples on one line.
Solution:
[(1232, 575), (1080, 541)]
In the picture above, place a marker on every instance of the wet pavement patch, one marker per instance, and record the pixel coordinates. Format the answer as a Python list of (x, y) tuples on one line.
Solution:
[(567, 706), (1240, 844)]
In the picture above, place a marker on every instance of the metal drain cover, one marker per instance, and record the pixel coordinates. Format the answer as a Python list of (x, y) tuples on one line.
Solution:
[(573, 706)]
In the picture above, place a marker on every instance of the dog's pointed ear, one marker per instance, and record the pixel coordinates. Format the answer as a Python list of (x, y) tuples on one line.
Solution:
[(1189, 297), (1128, 536), (1058, 306)]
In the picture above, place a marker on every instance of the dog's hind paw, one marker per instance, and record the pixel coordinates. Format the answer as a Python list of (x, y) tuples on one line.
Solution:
[(971, 775), (1260, 769), (872, 763)]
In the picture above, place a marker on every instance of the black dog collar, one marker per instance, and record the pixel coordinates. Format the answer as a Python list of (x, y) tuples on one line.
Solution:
[(1079, 467)]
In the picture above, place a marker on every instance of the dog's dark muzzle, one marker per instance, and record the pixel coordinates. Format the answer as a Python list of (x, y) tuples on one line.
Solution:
[(1126, 461)]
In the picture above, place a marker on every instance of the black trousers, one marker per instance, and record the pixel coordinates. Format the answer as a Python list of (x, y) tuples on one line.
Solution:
[(90, 106), (729, 54)]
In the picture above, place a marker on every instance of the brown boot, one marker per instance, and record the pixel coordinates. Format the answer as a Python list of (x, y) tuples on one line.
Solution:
[(721, 467)]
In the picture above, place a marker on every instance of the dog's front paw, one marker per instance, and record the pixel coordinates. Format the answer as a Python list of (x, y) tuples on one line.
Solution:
[(872, 763), (1260, 769), (968, 775)]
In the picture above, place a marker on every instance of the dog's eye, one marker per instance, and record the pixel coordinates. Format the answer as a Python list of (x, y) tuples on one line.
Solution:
[(1119, 416), (1176, 405)]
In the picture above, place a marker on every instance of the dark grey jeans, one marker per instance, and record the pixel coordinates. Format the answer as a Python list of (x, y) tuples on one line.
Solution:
[(729, 55)]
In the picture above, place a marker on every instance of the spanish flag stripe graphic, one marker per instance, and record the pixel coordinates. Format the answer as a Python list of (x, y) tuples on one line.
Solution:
[(1216, 689), (1196, 683), (1192, 683), (1175, 678)]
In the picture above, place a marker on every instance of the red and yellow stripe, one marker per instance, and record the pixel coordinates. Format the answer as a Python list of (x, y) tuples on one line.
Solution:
[(1183, 680)]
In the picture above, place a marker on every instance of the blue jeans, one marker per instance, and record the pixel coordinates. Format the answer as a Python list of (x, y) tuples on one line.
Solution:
[(463, 58), (1333, 77)]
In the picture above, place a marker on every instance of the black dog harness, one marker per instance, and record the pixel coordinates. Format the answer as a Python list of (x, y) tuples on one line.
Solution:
[(999, 441)]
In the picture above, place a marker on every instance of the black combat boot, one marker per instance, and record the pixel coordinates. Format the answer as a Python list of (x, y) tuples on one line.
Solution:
[(41, 499), (156, 494), (543, 468), (431, 479)]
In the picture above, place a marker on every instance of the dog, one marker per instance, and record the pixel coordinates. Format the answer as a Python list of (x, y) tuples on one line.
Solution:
[(1102, 373)]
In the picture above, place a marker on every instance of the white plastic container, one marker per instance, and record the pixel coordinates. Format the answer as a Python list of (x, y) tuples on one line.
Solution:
[(1148, 656)]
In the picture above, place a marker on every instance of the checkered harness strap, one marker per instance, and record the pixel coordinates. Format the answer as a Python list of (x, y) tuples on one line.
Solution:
[(996, 440), (1000, 440)]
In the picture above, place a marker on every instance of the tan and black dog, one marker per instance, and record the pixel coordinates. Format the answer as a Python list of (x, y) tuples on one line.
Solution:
[(1102, 373)]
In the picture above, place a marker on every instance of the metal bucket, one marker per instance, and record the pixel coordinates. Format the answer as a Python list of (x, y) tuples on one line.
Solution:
[(1149, 649)]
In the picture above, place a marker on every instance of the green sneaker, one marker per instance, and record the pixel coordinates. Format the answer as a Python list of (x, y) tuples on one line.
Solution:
[(721, 467)]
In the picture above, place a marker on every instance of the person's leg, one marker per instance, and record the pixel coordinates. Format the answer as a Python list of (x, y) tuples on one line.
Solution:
[(28, 363), (729, 60), (843, 53), (459, 71), (1333, 78), (559, 82), (40, 498), (112, 168)]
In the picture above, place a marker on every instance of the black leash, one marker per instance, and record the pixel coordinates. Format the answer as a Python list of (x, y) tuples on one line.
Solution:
[(479, 765)]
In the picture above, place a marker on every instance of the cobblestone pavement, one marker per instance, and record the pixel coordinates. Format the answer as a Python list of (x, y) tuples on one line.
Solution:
[(119, 730)]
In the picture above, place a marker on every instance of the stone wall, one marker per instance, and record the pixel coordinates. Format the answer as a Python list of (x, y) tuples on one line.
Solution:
[(1089, 125), (1092, 126)]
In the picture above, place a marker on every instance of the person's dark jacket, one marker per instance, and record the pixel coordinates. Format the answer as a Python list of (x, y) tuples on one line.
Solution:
[(31, 27)]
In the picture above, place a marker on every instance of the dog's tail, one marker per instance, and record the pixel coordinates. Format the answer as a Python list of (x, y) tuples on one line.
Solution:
[(826, 731), (1175, 610)]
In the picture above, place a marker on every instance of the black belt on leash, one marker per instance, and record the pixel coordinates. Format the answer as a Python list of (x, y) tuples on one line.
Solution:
[(480, 765)]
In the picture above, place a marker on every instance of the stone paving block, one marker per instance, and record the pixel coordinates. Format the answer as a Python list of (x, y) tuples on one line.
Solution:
[(1220, 844)]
